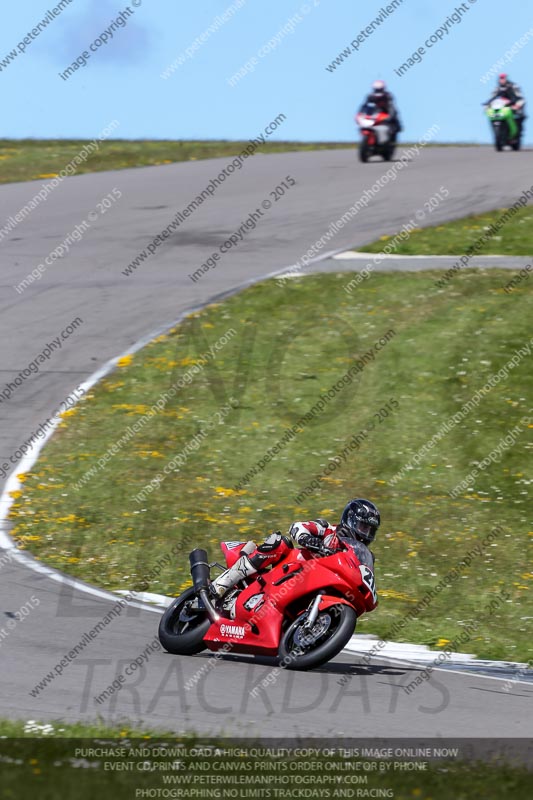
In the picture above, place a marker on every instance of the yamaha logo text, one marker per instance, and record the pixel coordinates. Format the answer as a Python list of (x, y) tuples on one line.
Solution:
[(232, 630)]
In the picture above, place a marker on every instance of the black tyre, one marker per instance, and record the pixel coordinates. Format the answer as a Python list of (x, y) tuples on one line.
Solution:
[(300, 649), (499, 138), (516, 144), (364, 151), (182, 629), (388, 152)]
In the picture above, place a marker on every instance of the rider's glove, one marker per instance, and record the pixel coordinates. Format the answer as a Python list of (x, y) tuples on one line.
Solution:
[(311, 542), (331, 542)]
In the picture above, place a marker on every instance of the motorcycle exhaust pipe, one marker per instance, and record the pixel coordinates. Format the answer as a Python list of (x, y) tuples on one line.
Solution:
[(200, 573), (199, 569), (209, 607)]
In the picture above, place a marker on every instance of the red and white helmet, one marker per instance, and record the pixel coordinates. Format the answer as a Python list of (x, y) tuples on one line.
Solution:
[(503, 79), (379, 95)]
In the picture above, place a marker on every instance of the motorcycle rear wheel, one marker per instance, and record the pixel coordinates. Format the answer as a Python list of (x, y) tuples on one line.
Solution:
[(334, 627), (182, 631)]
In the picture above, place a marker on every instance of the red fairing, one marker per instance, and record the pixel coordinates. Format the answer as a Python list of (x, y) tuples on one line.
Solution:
[(231, 551), (284, 591), (367, 125)]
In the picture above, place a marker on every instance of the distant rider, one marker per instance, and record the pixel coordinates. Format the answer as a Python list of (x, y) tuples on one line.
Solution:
[(384, 101), (512, 92), (360, 520)]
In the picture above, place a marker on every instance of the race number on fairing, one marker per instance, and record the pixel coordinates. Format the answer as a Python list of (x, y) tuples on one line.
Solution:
[(367, 576)]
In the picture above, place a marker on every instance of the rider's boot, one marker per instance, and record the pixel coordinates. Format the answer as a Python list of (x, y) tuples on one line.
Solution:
[(222, 586), (252, 559), (242, 569)]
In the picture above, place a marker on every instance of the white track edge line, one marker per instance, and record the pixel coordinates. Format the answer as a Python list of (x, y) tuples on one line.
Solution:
[(424, 665)]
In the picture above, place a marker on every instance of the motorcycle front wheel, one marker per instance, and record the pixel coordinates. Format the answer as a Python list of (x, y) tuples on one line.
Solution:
[(303, 648), (499, 140), (364, 151), (182, 627)]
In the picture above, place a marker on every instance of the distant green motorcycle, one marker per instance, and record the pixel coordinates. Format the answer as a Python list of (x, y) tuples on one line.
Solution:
[(504, 125)]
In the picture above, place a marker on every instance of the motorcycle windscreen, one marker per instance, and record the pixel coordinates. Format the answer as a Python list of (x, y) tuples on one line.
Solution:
[(361, 551)]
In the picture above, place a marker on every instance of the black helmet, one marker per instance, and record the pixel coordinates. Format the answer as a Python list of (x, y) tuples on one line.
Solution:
[(362, 519)]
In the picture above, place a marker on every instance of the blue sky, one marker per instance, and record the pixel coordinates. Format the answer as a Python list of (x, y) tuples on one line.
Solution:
[(122, 80)]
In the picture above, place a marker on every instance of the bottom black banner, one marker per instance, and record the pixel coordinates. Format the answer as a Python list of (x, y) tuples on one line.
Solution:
[(429, 769)]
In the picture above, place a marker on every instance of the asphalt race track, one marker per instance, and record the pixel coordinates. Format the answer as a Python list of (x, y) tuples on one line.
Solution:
[(117, 311)]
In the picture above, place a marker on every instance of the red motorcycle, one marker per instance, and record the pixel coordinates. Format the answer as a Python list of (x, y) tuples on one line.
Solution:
[(303, 610), (376, 134)]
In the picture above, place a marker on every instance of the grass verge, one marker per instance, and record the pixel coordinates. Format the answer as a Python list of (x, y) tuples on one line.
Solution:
[(289, 347), (35, 729), (33, 159), (454, 238)]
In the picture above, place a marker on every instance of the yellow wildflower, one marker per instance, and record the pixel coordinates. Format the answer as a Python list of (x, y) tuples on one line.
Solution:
[(68, 413), (225, 492)]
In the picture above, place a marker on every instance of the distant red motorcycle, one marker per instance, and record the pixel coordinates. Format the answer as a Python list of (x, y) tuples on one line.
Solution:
[(303, 610), (376, 134)]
